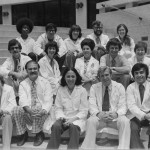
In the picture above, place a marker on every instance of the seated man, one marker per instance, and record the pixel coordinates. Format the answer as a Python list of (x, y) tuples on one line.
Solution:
[(119, 64), (138, 101), (7, 103), (35, 103), (107, 104), (13, 69)]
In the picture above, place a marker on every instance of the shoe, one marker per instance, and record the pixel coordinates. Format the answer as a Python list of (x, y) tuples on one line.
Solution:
[(39, 138), (22, 139)]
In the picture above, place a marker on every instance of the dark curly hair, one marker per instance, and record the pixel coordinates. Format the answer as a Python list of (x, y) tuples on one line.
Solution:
[(51, 44), (139, 66), (24, 21), (75, 28), (113, 41), (50, 26), (78, 77), (89, 42)]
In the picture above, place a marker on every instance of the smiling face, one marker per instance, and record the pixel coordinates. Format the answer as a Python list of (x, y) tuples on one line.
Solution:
[(121, 32), (140, 76), (15, 51), (140, 52), (70, 78), (105, 77), (98, 29), (50, 33), (75, 34), (51, 52), (86, 52), (113, 50), (32, 70)]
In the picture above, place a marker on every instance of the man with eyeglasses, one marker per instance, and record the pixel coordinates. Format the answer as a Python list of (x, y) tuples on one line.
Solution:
[(99, 38), (50, 35), (13, 69)]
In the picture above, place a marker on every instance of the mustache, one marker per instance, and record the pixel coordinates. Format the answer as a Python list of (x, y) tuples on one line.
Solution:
[(33, 73)]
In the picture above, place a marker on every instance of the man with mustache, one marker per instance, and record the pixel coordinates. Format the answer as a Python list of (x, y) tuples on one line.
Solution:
[(99, 39), (34, 105), (107, 106), (119, 64), (138, 102)]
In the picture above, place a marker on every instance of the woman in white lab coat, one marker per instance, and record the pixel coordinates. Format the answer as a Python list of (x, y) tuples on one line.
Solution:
[(71, 110), (87, 66), (49, 67)]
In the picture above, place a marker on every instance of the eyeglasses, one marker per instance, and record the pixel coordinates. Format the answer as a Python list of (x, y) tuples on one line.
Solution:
[(50, 31)]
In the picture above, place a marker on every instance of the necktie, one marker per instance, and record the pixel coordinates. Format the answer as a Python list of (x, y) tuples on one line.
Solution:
[(33, 94), (98, 40), (113, 63), (105, 106), (141, 90), (16, 62), (85, 65)]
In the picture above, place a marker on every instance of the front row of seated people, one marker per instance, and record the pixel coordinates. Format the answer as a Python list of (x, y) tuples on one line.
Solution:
[(108, 104)]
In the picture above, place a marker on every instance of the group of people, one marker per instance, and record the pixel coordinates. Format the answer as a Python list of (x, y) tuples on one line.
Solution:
[(91, 83)]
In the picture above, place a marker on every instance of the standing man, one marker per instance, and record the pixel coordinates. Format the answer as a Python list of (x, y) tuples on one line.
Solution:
[(50, 35), (99, 38), (119, 64), (13, 69), (107, 104), (138, 101), (35, 103)]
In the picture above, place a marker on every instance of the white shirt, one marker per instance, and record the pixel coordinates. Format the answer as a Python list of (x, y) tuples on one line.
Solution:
[(44, 93), (27, 45), (42, 40), (103, 39)]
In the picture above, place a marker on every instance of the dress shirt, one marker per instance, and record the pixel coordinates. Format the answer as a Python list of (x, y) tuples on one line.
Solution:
[(27, 45), (43, 40)]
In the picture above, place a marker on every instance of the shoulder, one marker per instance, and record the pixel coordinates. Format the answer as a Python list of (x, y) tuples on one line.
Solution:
[(104, 36), (42, 80), (25, 58), (7, 87), (67, 39), (80, 59), (94, 60), (116, 84), (42, 60), (57, 37)]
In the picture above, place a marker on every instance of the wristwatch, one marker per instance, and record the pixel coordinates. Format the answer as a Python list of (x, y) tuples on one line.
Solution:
[(113, 68)]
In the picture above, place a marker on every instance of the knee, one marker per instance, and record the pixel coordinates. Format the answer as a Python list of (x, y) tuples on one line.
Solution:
[(56, 126), (74, 128), (7, 119), (92, 121), (17, 110), (123, 120)]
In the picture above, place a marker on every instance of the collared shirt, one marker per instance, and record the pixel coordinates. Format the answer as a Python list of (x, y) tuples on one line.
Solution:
[(27, 45), (120, 61), (103, 39)]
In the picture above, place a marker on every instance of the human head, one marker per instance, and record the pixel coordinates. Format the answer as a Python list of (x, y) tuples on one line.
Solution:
[(22, 22), (140, 72), (97, 27), (140, 44), (32, 68), (51, 29), (73, 29), (113, 46), (53, 45), (104, 75), (78, 77), (14, 47), (122, 30), (87, 46)]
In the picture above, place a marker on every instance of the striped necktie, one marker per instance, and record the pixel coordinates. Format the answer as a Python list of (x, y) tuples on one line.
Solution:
[(33, 94)]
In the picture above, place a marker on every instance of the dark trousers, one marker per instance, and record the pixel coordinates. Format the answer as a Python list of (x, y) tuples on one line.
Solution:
[(136, 125), (58, 129)]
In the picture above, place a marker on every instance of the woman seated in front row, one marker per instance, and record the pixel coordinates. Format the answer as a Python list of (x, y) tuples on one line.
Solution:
[(87, 66), (71, 109)]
